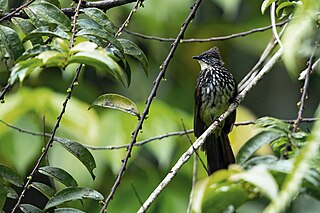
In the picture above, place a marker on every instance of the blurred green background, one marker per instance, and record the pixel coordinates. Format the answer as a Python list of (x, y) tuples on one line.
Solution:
[(36, 104)]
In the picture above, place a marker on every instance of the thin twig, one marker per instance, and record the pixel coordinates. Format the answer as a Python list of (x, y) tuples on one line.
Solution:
[(186, 156), (17, 10), (218, 38), (136, 193), (51, 139), (296, 123), (143, 142)]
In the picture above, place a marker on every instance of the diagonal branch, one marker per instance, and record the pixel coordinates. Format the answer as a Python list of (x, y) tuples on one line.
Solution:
[(152, 95), (186, 156), (54, 130)]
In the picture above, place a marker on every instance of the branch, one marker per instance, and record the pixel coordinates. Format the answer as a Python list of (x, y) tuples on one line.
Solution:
[(186, 156), (284, 154), (219, 38), (135, 133), (56, 126), (17, 10), (143, 142)]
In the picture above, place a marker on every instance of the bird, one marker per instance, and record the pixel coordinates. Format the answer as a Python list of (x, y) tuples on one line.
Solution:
[(215, 90)]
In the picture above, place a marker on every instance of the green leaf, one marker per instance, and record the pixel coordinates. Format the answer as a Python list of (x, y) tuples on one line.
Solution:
[(88, 24), (115, 101), (84, 46), (52, 58), (28, 208), (81, 153), (68, 210), (215, 194), (133, 50), (44, 13), (44, 189), (23, 69), (73, 193), (253, 144), (266, 4), (54, 2), (101, 18), (273, 123), (26, 27), (101, 60), (11, 193), (45, 31), (3, 6), (59, 174), (284, 5), (11, 41), (102, 34), (260, 177), (36, 50), (301, 166), (9, 175)]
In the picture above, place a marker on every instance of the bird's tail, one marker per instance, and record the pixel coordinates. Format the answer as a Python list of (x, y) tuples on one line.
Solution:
[(218, 151)]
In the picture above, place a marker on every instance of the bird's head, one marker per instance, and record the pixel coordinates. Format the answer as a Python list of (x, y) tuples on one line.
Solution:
[(209, 58)]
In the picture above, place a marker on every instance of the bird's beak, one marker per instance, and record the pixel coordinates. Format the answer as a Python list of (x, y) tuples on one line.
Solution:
[(196, 57)]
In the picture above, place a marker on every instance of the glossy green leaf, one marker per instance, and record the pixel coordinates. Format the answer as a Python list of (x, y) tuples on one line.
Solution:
[(101, 18), (73, 193), (28, 208), (26, 27), (52, 58), (84, 46), (101, 60), (61, 45), (11, 41), (119, 102), (45, 31), (68, 210), (23, 69), (47, 13), (88, 24), (102, 34), (59, 174), (133, 50), (3, 6), (9, 175), (43, 188), (36, 50), (54, 2), (11, 193), (253, 144), (81, 153), (266, 4), (273, 123)]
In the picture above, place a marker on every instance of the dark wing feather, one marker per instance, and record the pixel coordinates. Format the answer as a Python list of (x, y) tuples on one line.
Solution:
[(199, 126)]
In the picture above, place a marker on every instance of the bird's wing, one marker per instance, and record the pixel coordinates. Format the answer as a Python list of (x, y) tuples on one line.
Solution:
[(199, 126)]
